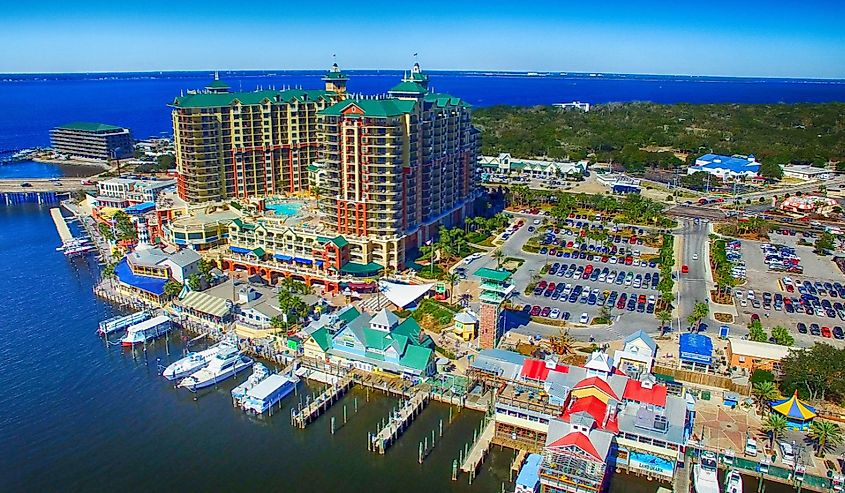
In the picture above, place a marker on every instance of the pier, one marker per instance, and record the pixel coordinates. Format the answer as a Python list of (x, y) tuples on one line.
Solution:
[(479, 450), (29, 197), (61, 225), (398, 423), (313, 409)]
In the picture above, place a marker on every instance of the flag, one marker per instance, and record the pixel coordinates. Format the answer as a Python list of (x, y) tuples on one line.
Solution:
[(428, 242)]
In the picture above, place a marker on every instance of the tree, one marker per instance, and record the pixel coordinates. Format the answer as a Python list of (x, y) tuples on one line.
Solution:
[(205, 267), (292, 286), (665, 317), (764, 393), (105, 231), (165, 162), (108, 270), (124, 226), (453, 279), (499, 257), (825, 435), (194, 282), (771, 170), (172, 289), (756, 332), (699, 311), (775, 426), (782, 336), (824, 243), (817, 373)]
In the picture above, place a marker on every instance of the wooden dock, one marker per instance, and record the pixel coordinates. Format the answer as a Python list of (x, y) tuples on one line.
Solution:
[(397, 423), (61, 225), (479, 449), (304, 415), (681, 482)]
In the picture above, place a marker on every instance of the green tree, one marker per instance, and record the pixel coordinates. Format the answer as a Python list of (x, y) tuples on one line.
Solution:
[(817, 373), (764, 393), (824, 243), (775, 426), (499, 256), (165, 162), (205, 267), (105, 231), (782, 336), (124, 226), (825, 435), (771, 170), (756, 332), (453, 279), (194, 282), (172, 289), (664, 316), (108, 270)]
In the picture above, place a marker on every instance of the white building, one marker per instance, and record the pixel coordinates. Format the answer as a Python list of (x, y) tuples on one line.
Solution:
[(182, 264), (804, 172), (131, 191), (505, 164), (727, 168)]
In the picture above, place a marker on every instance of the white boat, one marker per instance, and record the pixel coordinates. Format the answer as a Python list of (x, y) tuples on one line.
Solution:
[(119, 323), (733, 482), (706, 474), (269, 392), (146, 330), (191, 363), (259, 373), (225, 364)]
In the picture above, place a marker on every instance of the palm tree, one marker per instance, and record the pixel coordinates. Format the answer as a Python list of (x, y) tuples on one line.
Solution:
[(452, 278), (775, 425), (499, 256), (664, 316), (562, 343), (764, 392), (826, 435)]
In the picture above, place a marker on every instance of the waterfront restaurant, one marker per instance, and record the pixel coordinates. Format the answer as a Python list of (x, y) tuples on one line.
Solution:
[(696, 352), (144, 272)]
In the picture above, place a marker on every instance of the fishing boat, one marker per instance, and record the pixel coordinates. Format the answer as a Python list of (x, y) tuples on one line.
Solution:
[(259, 373), (225, 364), (733, 482), (269, 392), (191, 362), (705, 474), (146, 330), (116, 324)]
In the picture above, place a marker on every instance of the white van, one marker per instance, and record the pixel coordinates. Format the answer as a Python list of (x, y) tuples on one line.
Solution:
[(787, 456)]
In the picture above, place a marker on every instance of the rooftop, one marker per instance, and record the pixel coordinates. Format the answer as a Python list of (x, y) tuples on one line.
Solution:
[(212, 100), (90, 127), (371, 107), (493, 275), (762, 350)]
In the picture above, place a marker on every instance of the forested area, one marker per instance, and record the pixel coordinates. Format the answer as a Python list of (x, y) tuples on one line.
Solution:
[(775, 133)]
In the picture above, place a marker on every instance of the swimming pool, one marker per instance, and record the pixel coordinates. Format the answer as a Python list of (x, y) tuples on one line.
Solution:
[(284, 208)]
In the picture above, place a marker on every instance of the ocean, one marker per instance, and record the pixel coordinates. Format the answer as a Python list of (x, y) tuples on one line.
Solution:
[(33, 104)]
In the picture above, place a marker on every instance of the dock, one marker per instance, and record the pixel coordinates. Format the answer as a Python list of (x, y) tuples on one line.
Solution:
[(479, 449), (397, 423), (61, 225), (314, 408), (681, 481)]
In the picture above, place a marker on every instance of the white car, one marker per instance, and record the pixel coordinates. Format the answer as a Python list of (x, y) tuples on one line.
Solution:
[(555, 313), (695, 256), (750, 294), (585, 318), (743, 302), (612, 260), (536, 221)]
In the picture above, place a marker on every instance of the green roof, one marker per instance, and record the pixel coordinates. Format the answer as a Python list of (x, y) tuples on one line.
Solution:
[(416, 77), (322, 338), (356, 268), (409, 328), (373, 107), (376, 339), (331, 75), (349, 314), (217, 84), (243, 225), (313, 168), (493, 275), (416, 357), (409, 87), (442, 100), (339, 241), (211, 100), (259, 252), (89, 127)]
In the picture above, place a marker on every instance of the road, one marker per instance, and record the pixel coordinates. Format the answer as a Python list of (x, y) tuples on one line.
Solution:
[(693, 286), (41, 185)]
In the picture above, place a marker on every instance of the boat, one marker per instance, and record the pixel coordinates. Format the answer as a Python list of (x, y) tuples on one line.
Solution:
[(225, 364), (733, 482), (191, 363), (119, 323), (706, 474), (259, 373), (146, 330), (269, 392)]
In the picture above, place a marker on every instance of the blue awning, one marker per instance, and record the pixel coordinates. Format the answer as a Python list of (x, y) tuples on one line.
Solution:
[(152, 285), (696, 348), (284, 258), (239, 249), (303, 260), (319, 263)]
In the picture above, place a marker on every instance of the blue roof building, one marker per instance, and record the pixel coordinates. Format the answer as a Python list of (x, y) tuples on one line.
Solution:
[(528, 480), (727, 167), (696, 351)]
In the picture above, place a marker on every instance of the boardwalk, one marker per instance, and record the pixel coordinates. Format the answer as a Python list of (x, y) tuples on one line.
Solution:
[(479, 449), (61, 225), (313, 409), (398, 422)]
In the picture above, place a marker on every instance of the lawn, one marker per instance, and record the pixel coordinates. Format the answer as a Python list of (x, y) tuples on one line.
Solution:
[(442, 313)]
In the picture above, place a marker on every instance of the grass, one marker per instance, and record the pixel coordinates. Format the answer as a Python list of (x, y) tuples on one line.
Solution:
[(427, 272), (442, 312), (512, 260)]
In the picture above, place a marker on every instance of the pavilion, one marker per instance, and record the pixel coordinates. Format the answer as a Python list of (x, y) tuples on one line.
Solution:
[(798, 414)]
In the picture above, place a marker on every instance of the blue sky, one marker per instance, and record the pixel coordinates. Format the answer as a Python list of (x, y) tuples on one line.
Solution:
[(716, 37)]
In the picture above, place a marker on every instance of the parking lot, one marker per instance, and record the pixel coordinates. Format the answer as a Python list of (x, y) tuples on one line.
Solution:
[(810, 304)]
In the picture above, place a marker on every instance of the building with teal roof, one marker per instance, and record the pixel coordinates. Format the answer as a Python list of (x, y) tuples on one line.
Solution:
[(92, 141)]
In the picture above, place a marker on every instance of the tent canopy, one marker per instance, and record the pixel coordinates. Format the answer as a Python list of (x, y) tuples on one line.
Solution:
[(403, 295), (793, 408)]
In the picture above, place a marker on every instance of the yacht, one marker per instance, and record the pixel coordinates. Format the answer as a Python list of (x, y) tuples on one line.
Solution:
[(733, 482), (191, 363), (259, 373), (706, 474), (225, 364), (146, 330)]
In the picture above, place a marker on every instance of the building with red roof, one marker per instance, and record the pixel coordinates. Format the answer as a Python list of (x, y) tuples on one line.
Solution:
[(538, 370), (575, 457), (645, 392)]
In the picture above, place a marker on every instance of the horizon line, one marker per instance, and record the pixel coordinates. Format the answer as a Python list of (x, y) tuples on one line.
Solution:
[(540, 73)]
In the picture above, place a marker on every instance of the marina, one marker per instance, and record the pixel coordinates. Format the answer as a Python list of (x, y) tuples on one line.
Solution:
[(145, 331), (268, 393), (121, 322), (397, 422)]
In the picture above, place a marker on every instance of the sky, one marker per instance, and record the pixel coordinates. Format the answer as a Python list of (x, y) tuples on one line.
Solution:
[(776, 38)]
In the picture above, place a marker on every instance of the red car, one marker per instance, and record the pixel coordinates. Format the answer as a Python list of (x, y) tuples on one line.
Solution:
[(629, 260), (684, 269), (542, 285), (604, 259), (588, 269), (551, 286), (569, 244), (545, 312), (633, 240), (826, 332), (535, 310)]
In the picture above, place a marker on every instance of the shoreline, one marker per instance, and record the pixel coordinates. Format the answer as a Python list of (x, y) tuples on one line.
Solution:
[(68, 168)]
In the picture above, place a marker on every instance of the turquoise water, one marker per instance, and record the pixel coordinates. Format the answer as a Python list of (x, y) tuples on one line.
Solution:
[(284, 209), (30, 169)]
